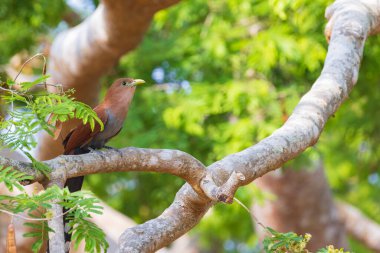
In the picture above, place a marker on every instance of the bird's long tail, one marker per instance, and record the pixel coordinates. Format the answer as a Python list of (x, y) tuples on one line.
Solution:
[(74, 184)]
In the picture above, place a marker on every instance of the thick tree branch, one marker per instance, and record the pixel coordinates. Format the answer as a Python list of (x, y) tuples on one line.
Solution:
[(173, 162), (22, 166), (302, 130), (370, 9), (360, 227), (56, 237)]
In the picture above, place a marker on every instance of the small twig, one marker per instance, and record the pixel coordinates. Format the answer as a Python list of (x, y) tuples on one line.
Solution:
[(5, 89), (251, 213), (30, 59)]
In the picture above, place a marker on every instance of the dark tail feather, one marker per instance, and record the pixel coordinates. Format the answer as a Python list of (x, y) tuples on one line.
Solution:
[(74, 184)]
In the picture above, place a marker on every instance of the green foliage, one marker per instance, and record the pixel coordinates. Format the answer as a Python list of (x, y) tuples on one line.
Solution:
[(331, 249), (80, 227), (28, 114), (40, 166), (12, 178), (31, 113), (38, 206), (22, 23), (291, 242), (285, 242), (91, 234), (216, 41), (29, 204), (39, 232)]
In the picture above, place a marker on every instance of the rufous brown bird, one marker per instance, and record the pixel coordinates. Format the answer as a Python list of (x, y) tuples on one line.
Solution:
[(112, 112)]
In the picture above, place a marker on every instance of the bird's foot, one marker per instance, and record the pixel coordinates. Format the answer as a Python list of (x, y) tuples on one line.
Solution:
[(92, 150)]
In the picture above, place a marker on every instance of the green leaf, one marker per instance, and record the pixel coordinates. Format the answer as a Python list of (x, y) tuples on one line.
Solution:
[(40, 166), (12, 178), (37, 245), (28, 85), (92, 124)]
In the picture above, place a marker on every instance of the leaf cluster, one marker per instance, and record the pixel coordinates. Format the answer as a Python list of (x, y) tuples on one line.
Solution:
[(12, 178), (30, 114), (80, 206), (23, 23), (285, 242), (80, 227), (291, 242)]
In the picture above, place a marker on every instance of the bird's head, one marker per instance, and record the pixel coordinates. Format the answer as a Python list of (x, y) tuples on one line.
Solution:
[(125, 83), (123, 89)]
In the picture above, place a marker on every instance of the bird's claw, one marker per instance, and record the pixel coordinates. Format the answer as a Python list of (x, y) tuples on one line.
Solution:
[(92, 150)]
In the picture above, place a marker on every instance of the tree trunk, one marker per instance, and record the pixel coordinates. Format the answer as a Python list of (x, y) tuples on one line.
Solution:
[(303, 204)]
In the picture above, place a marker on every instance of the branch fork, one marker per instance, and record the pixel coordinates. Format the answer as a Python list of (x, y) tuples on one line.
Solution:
[(224, 193)]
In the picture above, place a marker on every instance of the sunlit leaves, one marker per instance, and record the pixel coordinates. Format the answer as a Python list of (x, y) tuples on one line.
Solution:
[(83, 205), (230, 116), (285, 242), (38, 165), (92, 235), (12, 178), (80, 205), (39, 231), (27, 85), (277, 242), (29, 114), (23, 23)]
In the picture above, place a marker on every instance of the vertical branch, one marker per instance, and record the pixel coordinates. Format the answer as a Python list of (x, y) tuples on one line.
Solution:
[(56, 238), (56, 241)]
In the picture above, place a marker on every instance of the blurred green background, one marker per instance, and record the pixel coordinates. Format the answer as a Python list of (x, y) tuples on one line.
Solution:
[(223, 75)]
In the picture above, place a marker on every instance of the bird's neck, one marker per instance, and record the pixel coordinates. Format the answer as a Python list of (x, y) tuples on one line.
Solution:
[(118, 105)]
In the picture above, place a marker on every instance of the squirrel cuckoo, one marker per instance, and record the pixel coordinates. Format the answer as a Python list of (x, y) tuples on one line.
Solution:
[(112, 112)]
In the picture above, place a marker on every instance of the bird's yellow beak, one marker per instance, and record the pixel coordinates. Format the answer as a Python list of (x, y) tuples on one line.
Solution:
[(138, 82)]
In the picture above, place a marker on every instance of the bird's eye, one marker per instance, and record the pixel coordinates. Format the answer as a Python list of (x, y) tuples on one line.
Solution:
[(124, 83)]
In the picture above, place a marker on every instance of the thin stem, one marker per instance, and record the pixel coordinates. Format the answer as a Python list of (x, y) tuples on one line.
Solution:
[(30, 59)]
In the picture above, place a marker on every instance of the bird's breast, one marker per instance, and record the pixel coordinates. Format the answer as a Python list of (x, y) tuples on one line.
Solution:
[(111, 128)]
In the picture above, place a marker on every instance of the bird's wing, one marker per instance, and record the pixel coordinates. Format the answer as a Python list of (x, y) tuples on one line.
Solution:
[(82, 134)]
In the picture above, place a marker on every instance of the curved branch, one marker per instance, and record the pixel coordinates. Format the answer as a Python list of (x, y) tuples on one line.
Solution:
[(25, 167), (301, 131), (173, 162), (360, 227)]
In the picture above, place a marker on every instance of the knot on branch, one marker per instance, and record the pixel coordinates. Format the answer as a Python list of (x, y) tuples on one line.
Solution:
[(224, 193), (356, 18)]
